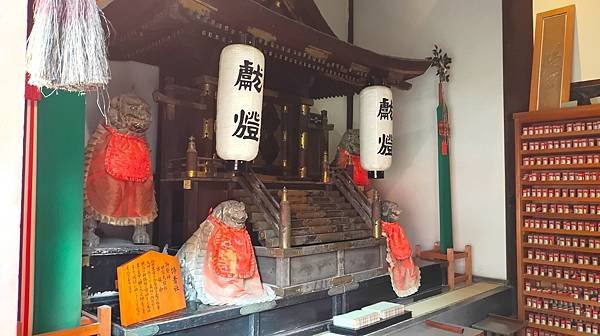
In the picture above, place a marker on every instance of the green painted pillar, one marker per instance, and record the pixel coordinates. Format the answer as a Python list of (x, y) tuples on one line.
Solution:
[(445, 192), (59, 211)]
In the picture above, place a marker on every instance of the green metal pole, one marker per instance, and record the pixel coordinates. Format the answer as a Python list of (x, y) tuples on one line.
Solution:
[(445, 193), (59, 211)]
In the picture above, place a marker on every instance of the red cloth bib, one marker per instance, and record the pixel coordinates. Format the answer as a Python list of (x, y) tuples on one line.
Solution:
[(232, 255), (360, 175), (127, 157), (396, 240)]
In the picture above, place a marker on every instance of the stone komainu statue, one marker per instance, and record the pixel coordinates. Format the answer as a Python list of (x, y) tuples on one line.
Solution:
[(218, 263), (348, 154), (118, 187), (404, 274)]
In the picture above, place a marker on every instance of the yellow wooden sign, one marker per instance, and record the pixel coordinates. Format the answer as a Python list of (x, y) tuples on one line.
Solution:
[(149, 286)]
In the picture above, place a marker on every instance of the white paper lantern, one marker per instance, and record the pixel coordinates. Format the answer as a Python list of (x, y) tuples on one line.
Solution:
[(239, 102), (376, 129)]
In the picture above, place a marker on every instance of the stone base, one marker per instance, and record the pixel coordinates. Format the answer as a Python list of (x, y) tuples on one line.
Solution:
[(302, 314), (336, 267)]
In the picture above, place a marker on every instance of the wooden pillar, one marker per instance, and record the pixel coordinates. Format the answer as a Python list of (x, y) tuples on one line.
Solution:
[(469, 264), (350, 96), (206, 144), (285, 161), (517, 56), (450, 254), (325, 126), (302, 139), (325, 168), (104, 321), (285, 223), (325, 146), (376, 214), (191, 156)]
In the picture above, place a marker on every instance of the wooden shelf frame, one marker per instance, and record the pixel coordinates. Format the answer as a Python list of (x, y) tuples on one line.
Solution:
[(553, 117), (561, 313), (563, 232), (562, 281), (576, 150), (587, 250), (562, 331), (559, 184), (561, 264), (562, 298), (561, 135), (561, 216), (562, 200), (585, 166)]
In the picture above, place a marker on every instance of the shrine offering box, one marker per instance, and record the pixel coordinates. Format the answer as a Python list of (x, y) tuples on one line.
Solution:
[(557, 167), (100, 267)]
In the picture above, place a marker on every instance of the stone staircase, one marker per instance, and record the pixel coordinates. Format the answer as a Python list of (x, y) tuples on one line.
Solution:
[(318, 216)]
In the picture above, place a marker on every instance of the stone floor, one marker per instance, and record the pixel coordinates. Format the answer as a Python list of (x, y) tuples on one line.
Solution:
[(463, 306)]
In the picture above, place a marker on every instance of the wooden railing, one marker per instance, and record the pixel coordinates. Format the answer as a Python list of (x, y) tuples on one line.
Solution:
[(350, 191), (263, 198)]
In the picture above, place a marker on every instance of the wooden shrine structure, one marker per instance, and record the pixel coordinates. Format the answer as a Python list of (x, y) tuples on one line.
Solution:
[(327, 242), (304, 61)]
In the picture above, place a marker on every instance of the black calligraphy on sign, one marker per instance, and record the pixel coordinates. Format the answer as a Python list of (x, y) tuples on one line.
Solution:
[(385, 145), (174, 277), (249, 77), (248, 125), (138, 295), (385, 110)]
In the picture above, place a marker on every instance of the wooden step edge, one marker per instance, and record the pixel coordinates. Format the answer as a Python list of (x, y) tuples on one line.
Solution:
[(366, 227)]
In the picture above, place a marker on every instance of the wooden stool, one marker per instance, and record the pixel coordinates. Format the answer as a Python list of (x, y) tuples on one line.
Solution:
[(498, 325), (451, 256), (90, 325)]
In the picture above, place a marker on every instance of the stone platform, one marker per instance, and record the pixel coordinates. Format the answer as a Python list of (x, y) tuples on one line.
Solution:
[(302, 314)]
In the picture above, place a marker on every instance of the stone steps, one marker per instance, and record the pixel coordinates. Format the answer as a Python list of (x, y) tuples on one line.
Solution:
[(322, 238), (306, 193), (323, 214), (312, 230), (292, 193), (320, 206), (258, 216), (308, 207), (248, 201), (326, 221), (318, 216), (310, 222)]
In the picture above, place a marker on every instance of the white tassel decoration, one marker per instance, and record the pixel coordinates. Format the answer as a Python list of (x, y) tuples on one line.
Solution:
[(67, 48)]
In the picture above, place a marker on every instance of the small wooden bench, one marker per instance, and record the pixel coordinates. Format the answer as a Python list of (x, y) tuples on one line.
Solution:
[(90, 325), (451, 256), (498, 325)]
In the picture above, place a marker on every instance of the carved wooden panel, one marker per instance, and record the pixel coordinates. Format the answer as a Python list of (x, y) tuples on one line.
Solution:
[(552, 59)]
